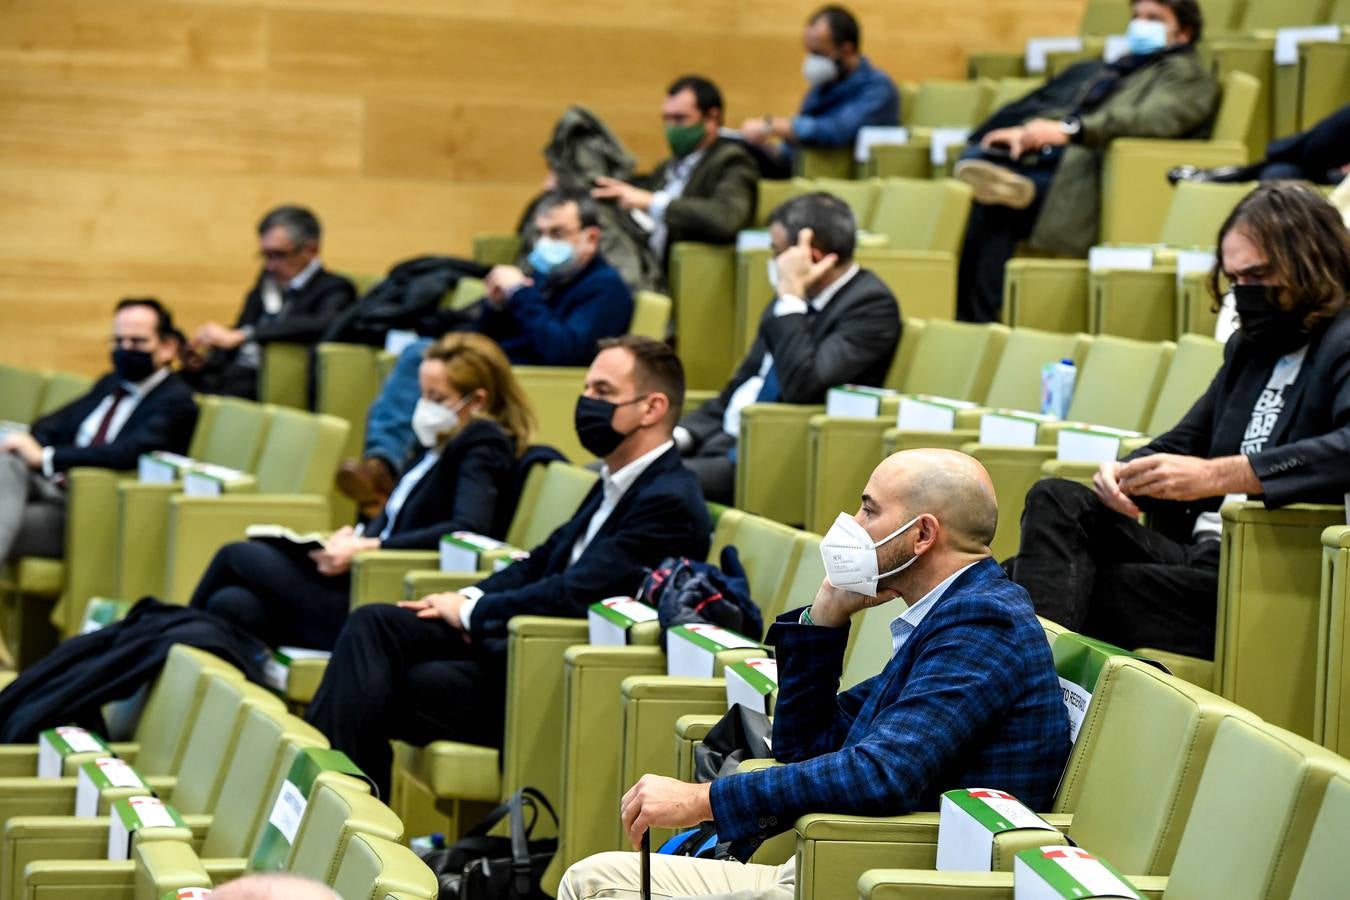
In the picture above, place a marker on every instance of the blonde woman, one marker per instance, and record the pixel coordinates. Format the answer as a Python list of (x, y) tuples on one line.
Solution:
[(472, 422)]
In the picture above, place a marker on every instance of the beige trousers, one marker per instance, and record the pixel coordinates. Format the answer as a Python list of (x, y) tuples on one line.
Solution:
[(619, 875)]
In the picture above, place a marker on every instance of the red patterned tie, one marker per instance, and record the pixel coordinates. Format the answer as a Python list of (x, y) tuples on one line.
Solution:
[(101, 436)]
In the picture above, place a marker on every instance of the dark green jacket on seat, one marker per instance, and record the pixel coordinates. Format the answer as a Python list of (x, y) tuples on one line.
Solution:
[(1174, 97), (718, 200)]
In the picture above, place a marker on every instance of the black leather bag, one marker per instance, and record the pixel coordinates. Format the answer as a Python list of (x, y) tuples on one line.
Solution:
[(479, 867)]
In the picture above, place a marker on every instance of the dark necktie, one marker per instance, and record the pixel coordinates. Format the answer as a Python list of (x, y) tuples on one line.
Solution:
[(101, 435), (771, 391)]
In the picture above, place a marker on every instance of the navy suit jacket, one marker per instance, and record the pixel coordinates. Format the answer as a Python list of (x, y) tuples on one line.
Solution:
[(163, 420), (971, 700), (559, 324), (661, 514), (469, 489)]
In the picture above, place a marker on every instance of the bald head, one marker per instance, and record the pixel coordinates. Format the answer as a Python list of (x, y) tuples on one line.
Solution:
[(947, 484), (273, 887)]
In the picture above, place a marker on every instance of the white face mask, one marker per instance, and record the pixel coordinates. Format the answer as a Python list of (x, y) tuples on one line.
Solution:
[(431, 420), (773, 274), (818, 70), (850, 555)]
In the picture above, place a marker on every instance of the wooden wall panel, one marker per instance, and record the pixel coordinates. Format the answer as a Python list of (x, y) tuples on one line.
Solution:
[(140, 140)]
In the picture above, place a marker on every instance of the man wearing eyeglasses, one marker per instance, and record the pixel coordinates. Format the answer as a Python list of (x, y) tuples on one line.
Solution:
[(294, 300), (138, 407)]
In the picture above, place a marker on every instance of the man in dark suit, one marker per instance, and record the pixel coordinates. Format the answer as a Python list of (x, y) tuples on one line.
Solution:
[(294, 300), (553, 315), (707, 190), (139, 407), (969, 697), (1274, 424), (435, 668), (831, 323)]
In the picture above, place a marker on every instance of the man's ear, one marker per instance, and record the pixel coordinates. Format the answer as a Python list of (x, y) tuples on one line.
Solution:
[(660, 405)]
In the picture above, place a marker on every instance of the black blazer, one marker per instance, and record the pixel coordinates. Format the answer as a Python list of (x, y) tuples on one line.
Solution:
[(304, 316), (1306, 458), (462, 492), (662, 514), (719, 198), (851, 342), (163, 420)]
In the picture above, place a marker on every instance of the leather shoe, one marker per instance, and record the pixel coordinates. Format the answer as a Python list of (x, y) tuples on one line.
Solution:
[(1220, 175), (995, 185), (367, 481)]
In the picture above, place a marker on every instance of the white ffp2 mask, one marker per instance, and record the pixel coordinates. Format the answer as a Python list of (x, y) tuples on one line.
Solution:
[(431, 420), (850, 555), (818, 69)]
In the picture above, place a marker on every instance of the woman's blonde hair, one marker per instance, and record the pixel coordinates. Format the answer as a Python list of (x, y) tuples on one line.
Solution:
[(473, 361)]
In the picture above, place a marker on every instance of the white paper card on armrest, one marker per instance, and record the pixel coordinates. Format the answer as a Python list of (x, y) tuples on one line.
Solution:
[(96, 776), (855, 400), (396, 340), (969, 819), (162, 467), (609, 620), (1132, 258), (1039, 47), (1011, 428), (55, 744), (870, 136), (461, 550), (1066, 873), (943, 138), (277, 669), (133, 814), (753, 239), (208, 480), (1288, 39), (926, 413), (1090, 444), (751, 683), (1116, 46), (1189, 261), (691, 650)]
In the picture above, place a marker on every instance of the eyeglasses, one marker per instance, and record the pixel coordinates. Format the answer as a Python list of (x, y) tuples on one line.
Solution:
[(135, 343), (277, 255)]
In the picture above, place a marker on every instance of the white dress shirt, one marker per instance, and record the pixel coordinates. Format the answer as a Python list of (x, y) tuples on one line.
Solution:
[(787, 305), (613, 487), (394, 505), (84, 436), (677, 178), (905, 624)]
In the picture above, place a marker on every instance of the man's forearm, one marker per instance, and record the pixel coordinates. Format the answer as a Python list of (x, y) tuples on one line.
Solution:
[(1234, 475)]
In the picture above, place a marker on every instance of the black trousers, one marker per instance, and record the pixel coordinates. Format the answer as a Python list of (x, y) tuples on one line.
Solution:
[(395, 676), (1097, 572), (713, 465), (278, 597)]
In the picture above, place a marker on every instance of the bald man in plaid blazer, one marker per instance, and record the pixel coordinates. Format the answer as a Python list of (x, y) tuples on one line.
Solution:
[(970, 697)]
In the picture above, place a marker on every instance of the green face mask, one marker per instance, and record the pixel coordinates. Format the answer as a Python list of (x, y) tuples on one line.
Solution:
[(684, 139)]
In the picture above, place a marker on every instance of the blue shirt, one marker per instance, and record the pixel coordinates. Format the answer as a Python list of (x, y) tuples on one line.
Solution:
[(832, 114)]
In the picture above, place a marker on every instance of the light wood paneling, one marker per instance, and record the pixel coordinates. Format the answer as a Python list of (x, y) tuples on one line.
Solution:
[(140, 140)]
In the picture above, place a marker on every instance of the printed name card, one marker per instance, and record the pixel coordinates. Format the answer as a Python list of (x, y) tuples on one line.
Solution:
[(137, 814), (1288, 39), (162, 467), (944, 138), (1090, 443), (105, 774), (855, 400), (1066, 873), (462, 551), (691, 650), (752, 683), (870, 136), (609, 621), (968, 821), (57, 745), (922, 412), (1132, 258), (1011, 428), (207, 480)]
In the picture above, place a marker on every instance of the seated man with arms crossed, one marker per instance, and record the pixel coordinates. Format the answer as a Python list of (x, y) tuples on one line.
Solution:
[(435, 668), (831, 323), (969, 699)]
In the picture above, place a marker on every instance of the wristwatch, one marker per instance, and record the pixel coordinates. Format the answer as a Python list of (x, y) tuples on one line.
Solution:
[(1072, 126)]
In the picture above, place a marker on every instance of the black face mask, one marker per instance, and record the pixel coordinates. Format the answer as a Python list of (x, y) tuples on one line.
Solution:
[(1272, 329), (593, 419), (133, 365)]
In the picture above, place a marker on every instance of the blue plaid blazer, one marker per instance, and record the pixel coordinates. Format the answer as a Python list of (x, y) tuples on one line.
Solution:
[(971, 700)]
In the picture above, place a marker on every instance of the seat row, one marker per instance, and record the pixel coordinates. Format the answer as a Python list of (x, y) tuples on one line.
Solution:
[(219, 781)]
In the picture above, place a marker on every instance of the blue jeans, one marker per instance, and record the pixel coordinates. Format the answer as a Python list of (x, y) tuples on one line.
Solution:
[(389, 424)]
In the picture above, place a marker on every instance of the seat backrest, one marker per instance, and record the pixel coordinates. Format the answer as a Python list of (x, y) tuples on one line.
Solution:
[(1118, 383), (258, 754), (724, 532), (1259, 16), (1324, 870), (1052, 629), (1197, 211), (21, 393), (374, 867), (561, 490), (931, 371), (1193, 366), (1135, 768), (940, 103), (1103, 17), (1237, 109), (230, 432), (911, 334), (62, 388), (172, 705), (651, 315), (1254, 814), (300, 453), (869, 645), (920, 213), (214, 736), (860, 195), (803, 579), (1011, 89), (769, 552), (334, 813), (1016, 382), (465, 293), (261, 844)]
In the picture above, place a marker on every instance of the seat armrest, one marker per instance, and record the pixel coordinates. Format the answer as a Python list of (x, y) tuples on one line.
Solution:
[(419, 583), (921, 884), (377, 575), (164, 866)]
